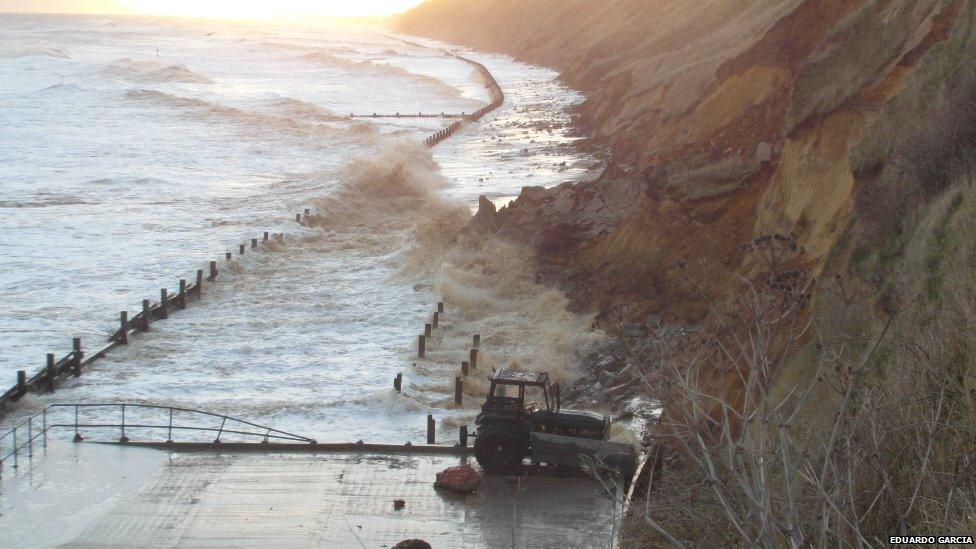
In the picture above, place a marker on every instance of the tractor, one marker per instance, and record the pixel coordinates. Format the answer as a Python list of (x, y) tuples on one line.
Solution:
[(509, 429)]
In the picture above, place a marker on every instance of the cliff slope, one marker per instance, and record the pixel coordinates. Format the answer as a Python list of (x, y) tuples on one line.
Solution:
[(727, 119)]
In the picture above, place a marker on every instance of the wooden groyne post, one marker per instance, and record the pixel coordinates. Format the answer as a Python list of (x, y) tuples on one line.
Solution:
[(77, 356), (422, 346), (51, 372), (146, 315), (430, 429), (124, 327), (182, 294), (163, 303)]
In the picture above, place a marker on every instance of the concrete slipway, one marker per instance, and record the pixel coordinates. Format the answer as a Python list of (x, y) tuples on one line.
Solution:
[(90, 495)]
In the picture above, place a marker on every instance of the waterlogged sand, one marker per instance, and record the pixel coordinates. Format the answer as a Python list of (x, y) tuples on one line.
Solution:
[(159, 498)]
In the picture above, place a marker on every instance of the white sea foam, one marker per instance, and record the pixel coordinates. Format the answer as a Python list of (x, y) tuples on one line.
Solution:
[(146, 176)]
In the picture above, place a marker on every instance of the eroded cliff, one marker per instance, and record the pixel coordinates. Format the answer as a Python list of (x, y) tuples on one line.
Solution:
[(726, 119)]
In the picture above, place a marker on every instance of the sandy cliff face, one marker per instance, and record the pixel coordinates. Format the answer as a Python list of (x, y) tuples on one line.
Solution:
[(728, 119)]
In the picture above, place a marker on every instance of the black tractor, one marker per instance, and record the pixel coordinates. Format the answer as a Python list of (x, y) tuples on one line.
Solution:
[(509, 429)]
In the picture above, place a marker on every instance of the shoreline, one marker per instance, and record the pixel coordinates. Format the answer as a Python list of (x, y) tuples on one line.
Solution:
[(118, 391), (75, 362)]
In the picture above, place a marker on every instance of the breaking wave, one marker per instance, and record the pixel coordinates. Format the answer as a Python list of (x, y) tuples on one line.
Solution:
[(390, 202), (385, 69), (45, 201), (34, 48), (59, 89), (284, 46), (155, 71), (490, 288), (392, 190), (304, 109), (295, 122)]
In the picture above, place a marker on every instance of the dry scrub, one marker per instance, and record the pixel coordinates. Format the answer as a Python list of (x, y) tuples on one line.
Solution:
[(854, 452)]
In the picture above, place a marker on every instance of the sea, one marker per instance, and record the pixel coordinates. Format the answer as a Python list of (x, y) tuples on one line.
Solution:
[(134, 151)]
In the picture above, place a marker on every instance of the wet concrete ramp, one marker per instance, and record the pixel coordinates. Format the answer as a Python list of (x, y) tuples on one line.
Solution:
[(203, 499)]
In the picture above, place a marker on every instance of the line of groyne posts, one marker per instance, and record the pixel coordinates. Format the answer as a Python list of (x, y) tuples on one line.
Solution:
[(73, 364), (496, 95), (56, 371), (497, 99), (410, 115), (423, 343), (494, 92)]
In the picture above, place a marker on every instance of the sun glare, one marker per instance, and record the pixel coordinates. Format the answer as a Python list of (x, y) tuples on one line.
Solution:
[(245, 9)]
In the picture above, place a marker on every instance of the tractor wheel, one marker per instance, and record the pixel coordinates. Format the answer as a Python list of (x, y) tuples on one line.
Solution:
[(499, 446)]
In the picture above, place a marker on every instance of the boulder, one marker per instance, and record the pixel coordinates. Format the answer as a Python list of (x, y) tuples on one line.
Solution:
[(463, 479), (534, 195)]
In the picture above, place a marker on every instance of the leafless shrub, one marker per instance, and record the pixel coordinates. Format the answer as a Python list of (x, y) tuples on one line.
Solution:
[(775, 435)]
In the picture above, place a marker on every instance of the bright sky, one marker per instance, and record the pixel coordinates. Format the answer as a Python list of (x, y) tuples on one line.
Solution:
[(214, 8)]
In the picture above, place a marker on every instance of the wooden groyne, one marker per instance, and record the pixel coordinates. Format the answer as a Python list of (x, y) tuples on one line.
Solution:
[(494, 90), (459, 376), (495, 93), (410, 115), (56, 371)]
